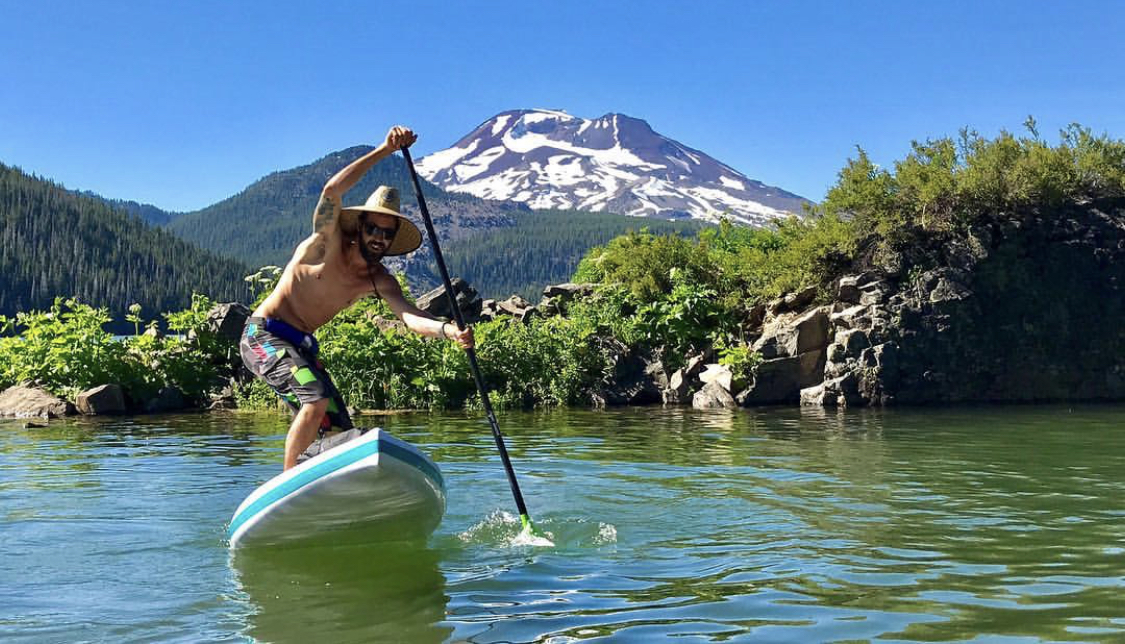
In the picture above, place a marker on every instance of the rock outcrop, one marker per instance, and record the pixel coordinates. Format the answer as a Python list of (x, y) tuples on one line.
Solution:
[(30, 402), (713, 396), (436, 302), (1023, 307), (226, 320), (634, 378), (100, 400)]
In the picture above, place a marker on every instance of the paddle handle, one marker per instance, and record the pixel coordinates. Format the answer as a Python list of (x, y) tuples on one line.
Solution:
[(460, 318)]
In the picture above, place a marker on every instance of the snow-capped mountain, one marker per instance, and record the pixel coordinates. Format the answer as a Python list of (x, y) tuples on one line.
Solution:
[(616, 163)]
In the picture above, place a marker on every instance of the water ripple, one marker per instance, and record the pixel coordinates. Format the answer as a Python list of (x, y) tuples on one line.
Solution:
[(971, 524)]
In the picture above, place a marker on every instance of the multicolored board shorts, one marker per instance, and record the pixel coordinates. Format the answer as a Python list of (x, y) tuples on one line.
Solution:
[(286, 358)]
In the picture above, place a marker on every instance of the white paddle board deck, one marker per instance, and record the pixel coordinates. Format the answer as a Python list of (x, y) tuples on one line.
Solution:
[(371, 488)]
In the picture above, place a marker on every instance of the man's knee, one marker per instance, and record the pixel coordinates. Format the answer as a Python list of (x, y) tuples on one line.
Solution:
[(316, 409)]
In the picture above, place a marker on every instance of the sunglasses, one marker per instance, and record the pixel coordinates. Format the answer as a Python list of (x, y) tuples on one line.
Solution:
[(373, 230)]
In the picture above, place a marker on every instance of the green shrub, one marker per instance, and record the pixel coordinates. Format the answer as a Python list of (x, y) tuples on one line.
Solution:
[(66, 350), (741, 360), (641, 262)]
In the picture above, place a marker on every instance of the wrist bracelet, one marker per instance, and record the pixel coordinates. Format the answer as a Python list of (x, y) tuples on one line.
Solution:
[(442, 330)]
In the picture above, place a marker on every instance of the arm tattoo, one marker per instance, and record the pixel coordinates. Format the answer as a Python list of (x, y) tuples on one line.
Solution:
[(325, 215)]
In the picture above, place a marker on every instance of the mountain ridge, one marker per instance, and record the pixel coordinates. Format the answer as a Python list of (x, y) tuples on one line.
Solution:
[(615, 163), (263, 223)]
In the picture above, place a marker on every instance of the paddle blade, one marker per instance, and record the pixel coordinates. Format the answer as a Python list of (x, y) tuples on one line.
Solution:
[(531, 535)]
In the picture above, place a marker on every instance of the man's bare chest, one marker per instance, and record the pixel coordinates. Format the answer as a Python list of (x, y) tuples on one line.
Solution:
[(328, 291)]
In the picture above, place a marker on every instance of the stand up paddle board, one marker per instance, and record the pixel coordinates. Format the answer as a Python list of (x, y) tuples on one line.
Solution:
[(371, 488)]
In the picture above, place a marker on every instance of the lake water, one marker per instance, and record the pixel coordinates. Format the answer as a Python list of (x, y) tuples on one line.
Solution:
[(983, 524)]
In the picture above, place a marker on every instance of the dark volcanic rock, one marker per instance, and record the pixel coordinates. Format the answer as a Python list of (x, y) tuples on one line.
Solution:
[(104, 399), (568, 291), (781, 380), (166, 400), (436, 302), (226, 320), (1023, 306), (633, 379)]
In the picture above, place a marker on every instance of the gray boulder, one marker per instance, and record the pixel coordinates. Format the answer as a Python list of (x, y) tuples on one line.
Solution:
[(791, 336), (781, 380), (633, 379), (489, 310), (719, 374), (847, 290), (568, 291), (226, 320), (713, 396), (874, 293), (518, 308), (884, 357), (436, 302), (683, 380), (225, 397), (793, 301), (678, 388), (31, 402), (104, 399), (851, 317), (842, 391), (514, 305), (755, 316), (853, 341)]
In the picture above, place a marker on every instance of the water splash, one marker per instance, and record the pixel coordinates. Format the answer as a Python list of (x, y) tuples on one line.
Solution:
[(607, 534), (499, 527), (528, 538), (503, 528)]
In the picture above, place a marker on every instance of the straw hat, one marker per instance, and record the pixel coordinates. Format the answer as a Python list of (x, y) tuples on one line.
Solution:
[(384, 201)]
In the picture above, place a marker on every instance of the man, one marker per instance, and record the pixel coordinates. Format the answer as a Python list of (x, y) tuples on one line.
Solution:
[(330, 270)]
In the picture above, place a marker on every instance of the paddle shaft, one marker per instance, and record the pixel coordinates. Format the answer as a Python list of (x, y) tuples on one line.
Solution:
[(481, 387)]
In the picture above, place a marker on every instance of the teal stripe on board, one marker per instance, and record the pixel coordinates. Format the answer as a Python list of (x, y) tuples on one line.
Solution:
[(335, 463), (411, 459)]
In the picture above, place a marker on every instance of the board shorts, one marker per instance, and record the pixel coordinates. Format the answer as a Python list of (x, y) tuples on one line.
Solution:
[(286, 358)]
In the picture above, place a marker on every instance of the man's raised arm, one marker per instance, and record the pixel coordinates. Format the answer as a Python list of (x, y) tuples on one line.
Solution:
[(328, 210)]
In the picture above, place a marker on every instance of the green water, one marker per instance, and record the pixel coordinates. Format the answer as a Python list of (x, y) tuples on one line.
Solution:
[(971, 524)]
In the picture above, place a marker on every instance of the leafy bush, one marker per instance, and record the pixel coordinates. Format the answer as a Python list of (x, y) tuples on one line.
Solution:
[(377, 364), (66, 350), (548, 362), (946, 185), (741, 360), (641, 262)]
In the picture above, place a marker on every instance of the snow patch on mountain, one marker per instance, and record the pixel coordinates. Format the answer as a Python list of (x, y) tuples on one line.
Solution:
[(616, 163)]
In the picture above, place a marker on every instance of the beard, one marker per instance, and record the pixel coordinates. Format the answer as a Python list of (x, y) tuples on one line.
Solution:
[(372, 256)]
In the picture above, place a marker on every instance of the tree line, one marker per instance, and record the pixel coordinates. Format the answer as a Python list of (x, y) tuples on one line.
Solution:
[(54, 242)]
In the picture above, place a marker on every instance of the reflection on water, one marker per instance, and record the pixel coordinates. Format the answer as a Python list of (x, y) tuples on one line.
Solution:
[(965, 524), (388, 592)]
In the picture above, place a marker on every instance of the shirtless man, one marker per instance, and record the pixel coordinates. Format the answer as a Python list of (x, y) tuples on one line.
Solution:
[(330, 270)]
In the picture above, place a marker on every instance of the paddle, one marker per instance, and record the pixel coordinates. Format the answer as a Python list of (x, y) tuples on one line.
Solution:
[(525, 520)]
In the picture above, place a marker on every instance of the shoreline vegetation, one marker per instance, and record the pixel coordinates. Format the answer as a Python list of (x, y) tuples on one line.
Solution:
[(973, 270)]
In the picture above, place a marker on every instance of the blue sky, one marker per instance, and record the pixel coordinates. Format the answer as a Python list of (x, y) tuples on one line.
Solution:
[(181, 104)]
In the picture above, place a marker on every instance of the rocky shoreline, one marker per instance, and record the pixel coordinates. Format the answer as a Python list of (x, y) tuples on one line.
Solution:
[(1021, 307)]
